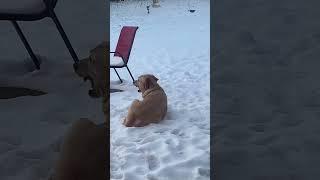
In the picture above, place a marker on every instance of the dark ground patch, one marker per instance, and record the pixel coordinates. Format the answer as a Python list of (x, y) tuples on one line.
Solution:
[(13, 92), (115, 90)]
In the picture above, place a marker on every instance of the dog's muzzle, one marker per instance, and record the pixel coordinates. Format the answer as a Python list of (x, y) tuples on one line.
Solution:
[(135, 83), (92, 92)]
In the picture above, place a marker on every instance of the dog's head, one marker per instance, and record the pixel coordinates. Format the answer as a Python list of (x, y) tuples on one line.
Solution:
[(94, 69), (145, 82)]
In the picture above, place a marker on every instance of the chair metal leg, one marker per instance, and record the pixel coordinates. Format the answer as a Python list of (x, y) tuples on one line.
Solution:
[(64, 36), (117, 74), (26, 44), (130, 73)]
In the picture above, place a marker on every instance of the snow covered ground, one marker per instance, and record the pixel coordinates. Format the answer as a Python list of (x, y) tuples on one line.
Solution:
[(174, 45), (31, 127)]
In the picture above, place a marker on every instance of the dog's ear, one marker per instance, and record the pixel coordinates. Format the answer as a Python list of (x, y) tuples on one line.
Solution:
[(156, 79), (150, 82), (146, 83), (102, 45)]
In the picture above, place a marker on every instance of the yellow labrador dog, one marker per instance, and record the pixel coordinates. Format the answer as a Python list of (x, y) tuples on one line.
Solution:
[(93, 68), (84, 153), (152, 108)]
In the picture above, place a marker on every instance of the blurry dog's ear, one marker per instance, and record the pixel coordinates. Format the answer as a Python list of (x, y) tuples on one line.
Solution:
[(150, 82), (104, 44), (146, 83), (156, 79)]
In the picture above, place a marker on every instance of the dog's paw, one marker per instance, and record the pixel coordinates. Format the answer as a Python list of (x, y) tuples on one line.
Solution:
[(124, 121)]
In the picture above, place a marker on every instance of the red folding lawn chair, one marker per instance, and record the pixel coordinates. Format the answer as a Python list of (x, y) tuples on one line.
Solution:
[(122, 53)]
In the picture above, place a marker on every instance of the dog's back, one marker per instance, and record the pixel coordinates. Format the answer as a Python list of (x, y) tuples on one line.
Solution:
[(154, 105)]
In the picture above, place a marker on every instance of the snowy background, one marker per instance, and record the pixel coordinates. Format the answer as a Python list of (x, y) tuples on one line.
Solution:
[(31, 127), (174, 45)]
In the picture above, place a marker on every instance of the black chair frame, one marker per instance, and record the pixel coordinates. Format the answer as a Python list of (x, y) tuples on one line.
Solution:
[(47, 12), (124, 65)]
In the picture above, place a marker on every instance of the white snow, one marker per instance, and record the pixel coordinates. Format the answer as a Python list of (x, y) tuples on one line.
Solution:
[(31, 127), (174, 45), (116, 61)]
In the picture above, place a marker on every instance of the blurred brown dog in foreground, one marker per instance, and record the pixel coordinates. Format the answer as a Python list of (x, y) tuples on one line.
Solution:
[(84, 153), (152, 108)]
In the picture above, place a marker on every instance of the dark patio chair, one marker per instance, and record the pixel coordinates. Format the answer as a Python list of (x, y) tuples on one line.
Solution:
[(32, 10)]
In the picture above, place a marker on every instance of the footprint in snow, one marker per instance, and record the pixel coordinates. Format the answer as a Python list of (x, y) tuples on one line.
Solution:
[(204, 172), (148, 139), (161, 130), (120, 142), (171, 144), (178, 132), (153, 162), (115, 175), (151, 177)]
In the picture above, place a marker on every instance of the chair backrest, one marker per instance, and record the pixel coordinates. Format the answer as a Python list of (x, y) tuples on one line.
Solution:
[(125, 42)]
